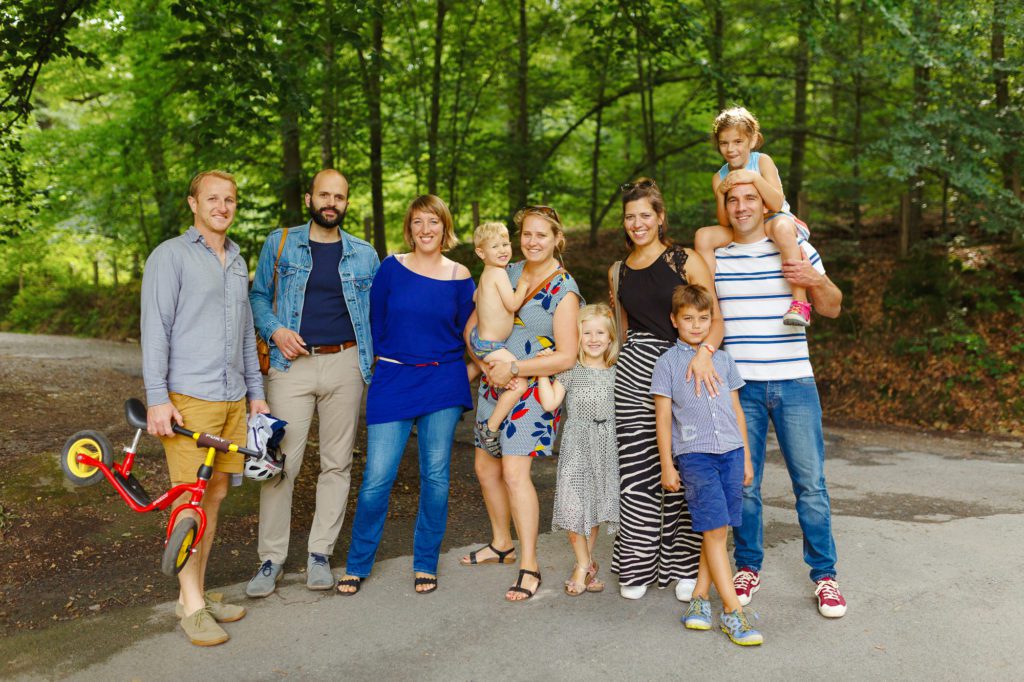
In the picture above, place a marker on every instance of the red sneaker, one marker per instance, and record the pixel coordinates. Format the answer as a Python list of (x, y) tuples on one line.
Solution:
[(747, 581), (830, 600)]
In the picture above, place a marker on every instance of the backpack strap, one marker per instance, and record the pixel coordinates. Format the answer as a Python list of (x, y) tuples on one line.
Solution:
[(280, 249), (619, 317)]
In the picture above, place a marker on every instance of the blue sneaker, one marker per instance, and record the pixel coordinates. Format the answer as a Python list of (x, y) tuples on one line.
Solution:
[(698, 616), (736, 626)]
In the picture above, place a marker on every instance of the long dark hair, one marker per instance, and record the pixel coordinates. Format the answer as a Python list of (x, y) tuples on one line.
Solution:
[(645, 188)]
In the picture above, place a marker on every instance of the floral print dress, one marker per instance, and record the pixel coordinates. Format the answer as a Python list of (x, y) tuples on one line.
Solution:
[(529, 429)]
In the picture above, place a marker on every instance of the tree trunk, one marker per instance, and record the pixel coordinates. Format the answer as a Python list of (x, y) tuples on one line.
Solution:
[(435, 98), (1000, 77), (915, 185), (802, 61), (328, 104), (167, 201), (519, 186), (858, 121), (646, 90), (291, 167), (717, 51), (595, 164), (371, 71)]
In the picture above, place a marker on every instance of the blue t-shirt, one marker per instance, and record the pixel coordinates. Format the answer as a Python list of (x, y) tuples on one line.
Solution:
[(325, 318), (418, 322)]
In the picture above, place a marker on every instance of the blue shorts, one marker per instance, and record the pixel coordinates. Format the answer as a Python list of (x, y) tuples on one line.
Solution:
[(482, 348), (714, 488)]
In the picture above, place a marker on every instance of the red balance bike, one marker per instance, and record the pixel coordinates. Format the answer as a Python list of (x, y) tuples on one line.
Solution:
[(88, 458)]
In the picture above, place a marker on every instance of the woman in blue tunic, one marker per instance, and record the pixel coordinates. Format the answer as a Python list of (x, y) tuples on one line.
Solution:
[(546, 320), (420, 379)]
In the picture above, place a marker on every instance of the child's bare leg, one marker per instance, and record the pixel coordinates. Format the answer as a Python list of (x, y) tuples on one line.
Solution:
[(782, 230), (507, 399), (703, 587), (581, 548), (710, 238), (717, 557)]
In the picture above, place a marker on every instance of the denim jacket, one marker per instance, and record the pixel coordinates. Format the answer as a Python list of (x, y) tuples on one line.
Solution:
[(358, 265)]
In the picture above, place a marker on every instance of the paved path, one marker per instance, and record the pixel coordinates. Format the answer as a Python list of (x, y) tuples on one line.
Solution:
[(929, 533)]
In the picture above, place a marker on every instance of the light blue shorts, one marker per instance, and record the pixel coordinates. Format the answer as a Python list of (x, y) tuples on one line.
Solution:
[(482, 348)]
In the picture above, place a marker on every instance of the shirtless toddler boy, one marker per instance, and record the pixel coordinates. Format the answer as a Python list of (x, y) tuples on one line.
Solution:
[(496, 306)]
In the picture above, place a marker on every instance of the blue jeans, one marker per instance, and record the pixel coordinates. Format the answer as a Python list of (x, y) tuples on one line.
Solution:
[(385, 445), (794, 410)]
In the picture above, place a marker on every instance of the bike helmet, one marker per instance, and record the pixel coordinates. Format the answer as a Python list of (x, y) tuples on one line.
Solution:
[(265, 434)]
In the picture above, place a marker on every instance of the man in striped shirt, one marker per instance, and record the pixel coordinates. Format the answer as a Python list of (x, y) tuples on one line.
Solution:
[(754, 291)]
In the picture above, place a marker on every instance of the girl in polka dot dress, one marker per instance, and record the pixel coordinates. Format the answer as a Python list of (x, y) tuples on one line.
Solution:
[(587, 490)]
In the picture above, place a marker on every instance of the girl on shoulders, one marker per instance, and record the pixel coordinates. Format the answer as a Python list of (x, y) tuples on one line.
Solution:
[(736, 134)]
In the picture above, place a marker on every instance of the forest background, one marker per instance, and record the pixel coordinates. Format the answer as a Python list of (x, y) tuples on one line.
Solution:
[(896, 125)]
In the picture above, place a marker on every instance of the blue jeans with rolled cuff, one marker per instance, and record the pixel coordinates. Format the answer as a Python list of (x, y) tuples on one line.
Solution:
[(385, 446), (793, 408)]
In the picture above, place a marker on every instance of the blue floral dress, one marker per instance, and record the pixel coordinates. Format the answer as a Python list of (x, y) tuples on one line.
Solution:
[(529, 429)]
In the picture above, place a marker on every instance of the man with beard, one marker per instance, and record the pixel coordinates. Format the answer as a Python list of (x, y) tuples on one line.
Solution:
[(311, 301)]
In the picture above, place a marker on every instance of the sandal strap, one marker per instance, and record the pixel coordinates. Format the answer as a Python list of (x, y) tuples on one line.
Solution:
[(351, 582), (523, 571), (424, 580)]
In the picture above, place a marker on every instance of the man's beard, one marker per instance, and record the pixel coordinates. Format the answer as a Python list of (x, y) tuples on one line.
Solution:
[(320, 219)]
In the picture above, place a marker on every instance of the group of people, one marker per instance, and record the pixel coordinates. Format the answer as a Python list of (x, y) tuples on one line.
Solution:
[(665, 436)]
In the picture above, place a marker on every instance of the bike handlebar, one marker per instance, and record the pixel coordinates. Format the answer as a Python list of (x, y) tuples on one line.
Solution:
[(208, 440)]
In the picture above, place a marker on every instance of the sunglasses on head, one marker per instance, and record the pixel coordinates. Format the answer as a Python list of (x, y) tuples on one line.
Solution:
[(545, 211), (630, 186)]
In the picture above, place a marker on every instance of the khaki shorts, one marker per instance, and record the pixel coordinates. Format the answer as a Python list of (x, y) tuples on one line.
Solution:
[(220, 418)]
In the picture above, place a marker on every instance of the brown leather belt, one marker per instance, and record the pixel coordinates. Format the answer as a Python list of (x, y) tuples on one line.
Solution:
[(327, 350)]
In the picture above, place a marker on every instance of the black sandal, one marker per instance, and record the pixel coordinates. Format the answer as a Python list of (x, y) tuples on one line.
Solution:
[(490, 441), (500, 557), (518, 587), (349, 582), (425, 580)]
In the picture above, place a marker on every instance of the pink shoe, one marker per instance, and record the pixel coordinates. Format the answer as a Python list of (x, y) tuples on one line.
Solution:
[(798, 315), (747, 581), (830, 600)]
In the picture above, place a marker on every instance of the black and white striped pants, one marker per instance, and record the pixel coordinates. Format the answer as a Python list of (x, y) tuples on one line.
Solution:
[(655, 543)]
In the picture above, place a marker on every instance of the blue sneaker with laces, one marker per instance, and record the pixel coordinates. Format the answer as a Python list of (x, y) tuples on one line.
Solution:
[(698, 616), (736, 626)]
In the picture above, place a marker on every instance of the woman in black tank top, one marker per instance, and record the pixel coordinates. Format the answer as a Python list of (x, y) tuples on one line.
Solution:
[(655, 544)]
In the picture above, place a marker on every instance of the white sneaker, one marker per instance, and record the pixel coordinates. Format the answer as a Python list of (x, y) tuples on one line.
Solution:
[(684, 589), (632, 591)]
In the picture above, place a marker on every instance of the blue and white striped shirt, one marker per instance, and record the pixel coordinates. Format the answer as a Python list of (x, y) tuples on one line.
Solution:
[(754, 296), (706, 424)]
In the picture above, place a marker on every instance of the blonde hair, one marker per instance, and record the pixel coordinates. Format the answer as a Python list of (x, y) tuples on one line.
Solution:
[(599, 311), (428, 203), (550, 216), (737, 117), (193, 187), (485, 231)]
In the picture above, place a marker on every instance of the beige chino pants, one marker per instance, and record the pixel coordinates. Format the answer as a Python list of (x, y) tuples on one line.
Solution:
[(333, 386)]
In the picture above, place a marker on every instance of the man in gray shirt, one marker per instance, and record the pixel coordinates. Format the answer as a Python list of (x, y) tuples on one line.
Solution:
[(199, 365)]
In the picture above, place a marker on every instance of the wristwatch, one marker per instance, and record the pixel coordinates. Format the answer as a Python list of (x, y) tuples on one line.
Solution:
[(709, 347), (514, 368)]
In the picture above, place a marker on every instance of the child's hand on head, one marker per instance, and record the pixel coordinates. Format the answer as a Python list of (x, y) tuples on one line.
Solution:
[(736, 177)]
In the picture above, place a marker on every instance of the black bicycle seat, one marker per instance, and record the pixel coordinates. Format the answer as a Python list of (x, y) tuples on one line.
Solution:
[(135, 413)]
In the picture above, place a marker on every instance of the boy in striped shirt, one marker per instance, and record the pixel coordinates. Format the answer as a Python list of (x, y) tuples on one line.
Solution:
[(707, 438), (754, 290)]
